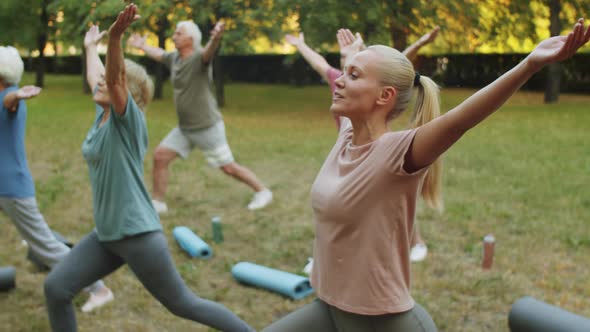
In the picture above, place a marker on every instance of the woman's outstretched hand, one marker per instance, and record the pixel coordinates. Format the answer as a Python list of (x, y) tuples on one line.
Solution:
[(295, 41), (349, 43), (28, 91), (560, 48), (93, 36), (137, 41), (124, 19)]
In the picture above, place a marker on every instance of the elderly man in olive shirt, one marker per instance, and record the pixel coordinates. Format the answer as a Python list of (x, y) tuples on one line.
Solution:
[(199, 122)]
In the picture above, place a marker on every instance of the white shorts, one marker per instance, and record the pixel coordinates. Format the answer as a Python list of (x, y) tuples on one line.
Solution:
[(211, 141)]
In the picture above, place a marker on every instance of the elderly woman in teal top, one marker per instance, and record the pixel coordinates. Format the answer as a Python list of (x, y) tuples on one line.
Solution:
[(128, 229)]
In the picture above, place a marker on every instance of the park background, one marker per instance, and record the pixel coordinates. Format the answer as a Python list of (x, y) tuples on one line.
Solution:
[(521, 175)]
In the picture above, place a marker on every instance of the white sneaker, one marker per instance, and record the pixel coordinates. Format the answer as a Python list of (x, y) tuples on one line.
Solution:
[(260, 200), (97, 300), (418, 252), (309, 266), (160, 207)]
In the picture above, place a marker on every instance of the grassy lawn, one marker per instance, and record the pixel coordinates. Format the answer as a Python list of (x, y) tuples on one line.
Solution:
[(522, 175)]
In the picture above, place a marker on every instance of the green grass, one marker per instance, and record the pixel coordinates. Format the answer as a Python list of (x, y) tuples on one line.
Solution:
[(521, 175)]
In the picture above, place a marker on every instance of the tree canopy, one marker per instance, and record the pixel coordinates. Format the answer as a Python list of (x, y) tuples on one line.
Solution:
[(481, 26), (467, 25)]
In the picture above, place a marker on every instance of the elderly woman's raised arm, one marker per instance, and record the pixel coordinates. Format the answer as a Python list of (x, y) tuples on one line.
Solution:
[(115, 63), (94, 67)]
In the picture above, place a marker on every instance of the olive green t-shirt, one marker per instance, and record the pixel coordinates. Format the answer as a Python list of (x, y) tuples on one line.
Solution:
[(191, 80)]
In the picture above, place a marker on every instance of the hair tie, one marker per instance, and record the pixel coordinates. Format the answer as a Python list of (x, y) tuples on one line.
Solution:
[(417, 79)]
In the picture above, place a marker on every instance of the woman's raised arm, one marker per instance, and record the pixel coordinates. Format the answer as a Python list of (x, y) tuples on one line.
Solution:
[(115, 68), (435, 137)]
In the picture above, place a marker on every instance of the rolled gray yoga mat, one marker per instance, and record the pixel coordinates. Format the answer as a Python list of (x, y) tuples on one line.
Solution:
[(7, 278), (531, 315)]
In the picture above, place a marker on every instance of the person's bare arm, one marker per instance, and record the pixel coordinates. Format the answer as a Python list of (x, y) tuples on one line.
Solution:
[(94, 66), (115, 68), (314, 59), (435, 137), (12, 98), (213, 43), (411, 52), (138, 41)]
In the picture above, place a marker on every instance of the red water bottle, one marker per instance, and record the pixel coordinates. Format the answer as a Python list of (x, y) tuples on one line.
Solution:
[(488, 251)]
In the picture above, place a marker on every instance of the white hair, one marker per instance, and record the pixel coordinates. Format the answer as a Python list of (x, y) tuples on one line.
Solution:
[(11, 65), (192, 30)]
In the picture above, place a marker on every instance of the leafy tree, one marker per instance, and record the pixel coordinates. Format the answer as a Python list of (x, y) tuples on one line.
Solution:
[(73, 27), (386, 22), (526, 21), (30, 31), (561, 15)]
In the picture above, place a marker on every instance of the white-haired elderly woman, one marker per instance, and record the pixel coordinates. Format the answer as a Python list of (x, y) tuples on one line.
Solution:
[(200, 123), (128, 229), (364, 197), (17, 190)]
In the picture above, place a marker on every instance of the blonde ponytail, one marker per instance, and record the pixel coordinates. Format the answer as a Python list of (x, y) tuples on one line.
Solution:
[(427, 108), (397, 71)]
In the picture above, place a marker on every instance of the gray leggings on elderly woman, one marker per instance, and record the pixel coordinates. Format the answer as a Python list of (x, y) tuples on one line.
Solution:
[(320, 316), (148, 257)]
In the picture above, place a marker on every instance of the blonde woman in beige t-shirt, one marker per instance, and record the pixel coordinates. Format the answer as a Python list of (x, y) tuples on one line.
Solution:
[(364, 197), (350, 44)]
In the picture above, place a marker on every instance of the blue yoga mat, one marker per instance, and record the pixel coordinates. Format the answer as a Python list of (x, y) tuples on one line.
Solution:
[(529, 314), (288, 284), (191, 243)]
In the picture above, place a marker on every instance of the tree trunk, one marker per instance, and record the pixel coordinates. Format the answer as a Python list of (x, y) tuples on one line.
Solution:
[(85, 86), (554, 70), (41, 42), (40, 70), (400, 16), (399, 36), (217, 70), (163, 25), (218, 79)]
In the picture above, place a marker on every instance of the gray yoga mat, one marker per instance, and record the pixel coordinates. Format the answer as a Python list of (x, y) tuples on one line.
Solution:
[(7, 278), (531, 315)]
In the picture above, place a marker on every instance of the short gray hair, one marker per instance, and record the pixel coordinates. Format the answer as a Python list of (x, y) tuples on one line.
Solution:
[(11, 65), (192, 30)]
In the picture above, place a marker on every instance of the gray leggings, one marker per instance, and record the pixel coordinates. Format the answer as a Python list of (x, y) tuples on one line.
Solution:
[(319, 316), (25, 215), (148, 257)]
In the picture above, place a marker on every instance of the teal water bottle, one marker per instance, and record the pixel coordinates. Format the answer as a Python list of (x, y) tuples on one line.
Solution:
[(217, 232)]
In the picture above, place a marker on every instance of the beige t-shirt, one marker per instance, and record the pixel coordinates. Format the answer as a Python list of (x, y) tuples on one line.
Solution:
[(191, 79), (364, 205)]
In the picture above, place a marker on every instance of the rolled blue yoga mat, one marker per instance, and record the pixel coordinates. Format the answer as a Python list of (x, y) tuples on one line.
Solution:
[(529, 314), (288, 284), (191, 243), (7, 278)]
